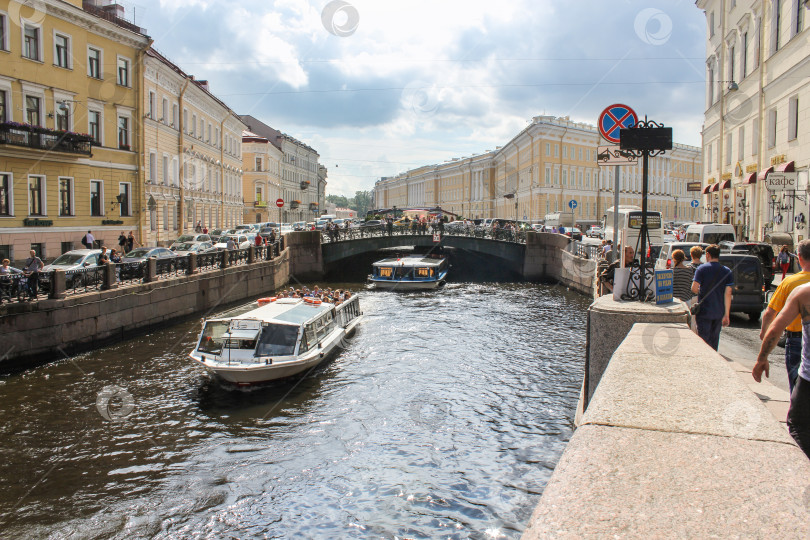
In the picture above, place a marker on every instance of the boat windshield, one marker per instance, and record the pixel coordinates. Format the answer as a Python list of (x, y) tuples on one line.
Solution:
[(277, 340), (212, 340)]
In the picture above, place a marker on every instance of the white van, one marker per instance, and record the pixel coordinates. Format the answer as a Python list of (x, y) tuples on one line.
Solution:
[(710, 233)]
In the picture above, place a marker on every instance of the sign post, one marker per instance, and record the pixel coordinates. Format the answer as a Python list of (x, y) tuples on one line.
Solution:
[(612, 120), (572, 204), (280, 204), (647, 138)]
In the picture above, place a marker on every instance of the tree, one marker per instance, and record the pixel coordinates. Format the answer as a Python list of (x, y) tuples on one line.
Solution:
[(362, 202)]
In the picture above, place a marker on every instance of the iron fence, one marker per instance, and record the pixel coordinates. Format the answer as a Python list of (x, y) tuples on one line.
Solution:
[(472, 231), (16, 288), (130, 272), (209, 261), (84, 279), (171, 267)]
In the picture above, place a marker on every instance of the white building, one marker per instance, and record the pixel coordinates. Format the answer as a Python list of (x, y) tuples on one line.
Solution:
[(757, 73)]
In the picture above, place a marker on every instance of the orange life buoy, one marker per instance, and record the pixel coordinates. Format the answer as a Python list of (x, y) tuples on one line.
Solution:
[(265, 301), (312, 301)]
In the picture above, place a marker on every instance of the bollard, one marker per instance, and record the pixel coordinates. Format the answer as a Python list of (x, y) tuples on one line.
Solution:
[(58, 285), (110, 281), (192, 264), (251, 254), (150, 270), (223, 263)]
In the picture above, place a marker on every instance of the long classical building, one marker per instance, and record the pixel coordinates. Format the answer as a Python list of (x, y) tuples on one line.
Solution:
[(70, 74), (302, 178), (757, 96), (548, 164), (192, 159)]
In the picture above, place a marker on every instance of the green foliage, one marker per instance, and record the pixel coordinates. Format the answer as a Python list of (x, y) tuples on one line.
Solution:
[(360, 203)]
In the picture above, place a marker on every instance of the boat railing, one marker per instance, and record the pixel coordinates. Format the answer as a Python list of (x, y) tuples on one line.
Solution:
[(347, 311)]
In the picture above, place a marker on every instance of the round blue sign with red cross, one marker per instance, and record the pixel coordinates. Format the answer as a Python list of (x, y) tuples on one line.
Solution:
[(613, 119)]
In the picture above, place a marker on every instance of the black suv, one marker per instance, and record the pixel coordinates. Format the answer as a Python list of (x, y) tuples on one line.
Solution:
[(747, 294), (761, 250)]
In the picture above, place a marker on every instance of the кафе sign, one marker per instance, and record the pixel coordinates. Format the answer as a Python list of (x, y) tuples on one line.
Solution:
[(781, 181)]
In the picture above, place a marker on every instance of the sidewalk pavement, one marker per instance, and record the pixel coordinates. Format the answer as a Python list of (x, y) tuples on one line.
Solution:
[(775, 399)]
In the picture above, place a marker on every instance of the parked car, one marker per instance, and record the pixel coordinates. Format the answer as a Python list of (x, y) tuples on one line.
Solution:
[(747, 293), (761, 250), (185, 238), (573, 232), (186, 248), (71, 260), (594, 231), (139, 255), (371, 224), (215, 234), (285, 228), (664, 260), (299, 226), (243, 241)]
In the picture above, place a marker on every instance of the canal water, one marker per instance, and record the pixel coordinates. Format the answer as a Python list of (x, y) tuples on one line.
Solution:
[(443, 417)]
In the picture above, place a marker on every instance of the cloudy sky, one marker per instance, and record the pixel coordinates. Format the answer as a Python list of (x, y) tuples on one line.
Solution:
[(381, 86)]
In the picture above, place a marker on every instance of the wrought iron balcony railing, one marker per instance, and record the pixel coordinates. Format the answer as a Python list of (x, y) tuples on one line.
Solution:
[(39, 138)]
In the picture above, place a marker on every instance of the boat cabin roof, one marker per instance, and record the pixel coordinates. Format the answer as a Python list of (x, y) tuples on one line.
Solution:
[(417, 261), (292, 311)]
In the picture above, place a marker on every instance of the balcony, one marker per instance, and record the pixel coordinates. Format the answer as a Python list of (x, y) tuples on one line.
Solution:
[(260, 204), (313, 206), (304, 184), (40, 138), (294, 204)]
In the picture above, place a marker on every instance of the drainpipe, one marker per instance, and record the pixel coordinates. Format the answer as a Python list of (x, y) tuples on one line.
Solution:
[(141, 141), (759, 191), (181, 173)]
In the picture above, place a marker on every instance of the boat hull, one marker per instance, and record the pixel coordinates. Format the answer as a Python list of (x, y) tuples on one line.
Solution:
[(407, 285)]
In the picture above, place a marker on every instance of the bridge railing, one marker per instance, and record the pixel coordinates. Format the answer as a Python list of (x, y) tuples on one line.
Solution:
[(447, 229)]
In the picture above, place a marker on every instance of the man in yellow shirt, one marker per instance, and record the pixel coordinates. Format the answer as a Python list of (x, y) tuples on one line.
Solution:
[(793, 341)]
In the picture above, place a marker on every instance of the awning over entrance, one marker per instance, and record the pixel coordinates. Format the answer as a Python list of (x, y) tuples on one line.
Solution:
[(707, 189), (750, 178), (726, 184), (785, 167), (716, 187), (764, 174)]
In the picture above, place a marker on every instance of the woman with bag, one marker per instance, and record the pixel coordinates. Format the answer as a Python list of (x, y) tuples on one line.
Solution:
[(783, 260)]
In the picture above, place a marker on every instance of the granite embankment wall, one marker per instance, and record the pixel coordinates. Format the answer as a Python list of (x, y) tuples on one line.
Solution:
[(549, 257), (51, 329), (675, 445)]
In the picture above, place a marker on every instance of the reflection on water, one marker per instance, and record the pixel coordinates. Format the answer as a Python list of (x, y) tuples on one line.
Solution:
[(444, 417)]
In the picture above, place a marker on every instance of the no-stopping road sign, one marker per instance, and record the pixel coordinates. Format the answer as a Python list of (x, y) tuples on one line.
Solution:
[(613, 119)]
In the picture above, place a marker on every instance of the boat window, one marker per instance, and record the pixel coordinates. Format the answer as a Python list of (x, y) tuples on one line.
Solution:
[(424, 272), (211, 340), (402, 272), (385, 271), (311, 338), (244, 344), (277, 340), (304, 346)]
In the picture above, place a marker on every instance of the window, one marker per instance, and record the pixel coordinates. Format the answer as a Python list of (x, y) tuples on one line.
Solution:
[(32, 115), (31, 42), (711, 86), (94, 125), (556, 150), (153, 168), (185, 120), (194, 125), (565, 151), (709, 160), (741, 143), (771, 128), (93, 63), (164, 112), (61, 53), (123, 72), (62, 117), (793, 118), (166, 170), (66, 246), (731, 57), (5, 195), (65, 196), (152, 105), (36, 195), (123, 133), (744, 59), (755, 138), (124, 189), (728, 148), (165, 217), (258, 164), (3, 106), (3, 32), (711, 24), (777, 20), (174, 116), (564, 176), (96, 198), (798, 22)]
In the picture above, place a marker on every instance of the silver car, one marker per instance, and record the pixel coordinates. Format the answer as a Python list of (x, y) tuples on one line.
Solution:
[(186, 248)]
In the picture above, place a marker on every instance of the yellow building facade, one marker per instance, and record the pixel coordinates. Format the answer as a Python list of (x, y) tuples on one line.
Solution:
[(70, 77), (261, 179), (547, 165)]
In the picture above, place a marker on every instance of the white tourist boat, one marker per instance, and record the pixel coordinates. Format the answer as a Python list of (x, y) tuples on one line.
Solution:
[(280, 338), (415, 272)]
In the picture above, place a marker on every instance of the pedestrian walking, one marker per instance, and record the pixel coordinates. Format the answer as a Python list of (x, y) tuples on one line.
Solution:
[(131, 242), (783, 260), (798, 417), (88, 240), (198, 228), (696, 252), (793, 331), (712, 284), (122, 242), (682, 277)]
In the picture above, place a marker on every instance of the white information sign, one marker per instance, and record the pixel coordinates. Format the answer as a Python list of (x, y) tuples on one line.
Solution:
[(782, 181)]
